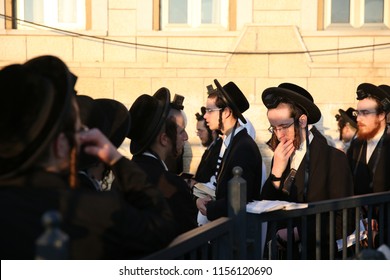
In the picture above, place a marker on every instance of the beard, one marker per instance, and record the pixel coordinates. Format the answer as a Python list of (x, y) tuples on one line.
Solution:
[(369, 133)]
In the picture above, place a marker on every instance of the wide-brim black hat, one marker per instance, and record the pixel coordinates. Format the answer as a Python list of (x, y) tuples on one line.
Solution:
[(348, 116), (301, 97), (148, 114), (234, 98), (111, 117), (365, 90), (36, 97)]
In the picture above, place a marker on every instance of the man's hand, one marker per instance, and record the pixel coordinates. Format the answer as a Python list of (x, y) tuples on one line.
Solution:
[(201, 204), (95, 143), (282, 154)]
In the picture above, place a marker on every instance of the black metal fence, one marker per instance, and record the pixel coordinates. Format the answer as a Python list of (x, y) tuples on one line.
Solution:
[(319, 226)]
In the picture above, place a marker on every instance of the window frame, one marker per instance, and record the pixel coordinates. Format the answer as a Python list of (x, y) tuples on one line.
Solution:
[(49, 18), (11, 13), (159, 19), (356, 16)]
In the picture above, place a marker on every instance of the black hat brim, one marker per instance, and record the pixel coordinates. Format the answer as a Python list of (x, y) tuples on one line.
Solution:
[(230, 102), (310, 109), (347, 118), (151, 130)]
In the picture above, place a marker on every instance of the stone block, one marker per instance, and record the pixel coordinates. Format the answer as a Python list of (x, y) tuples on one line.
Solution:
[(54, 45)]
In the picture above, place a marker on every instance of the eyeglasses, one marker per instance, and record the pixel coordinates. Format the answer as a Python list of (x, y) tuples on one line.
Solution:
[(209, 110), (272, 129), (363, 113)]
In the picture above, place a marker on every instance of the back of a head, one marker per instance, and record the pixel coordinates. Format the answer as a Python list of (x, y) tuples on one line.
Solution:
[(35, 102)]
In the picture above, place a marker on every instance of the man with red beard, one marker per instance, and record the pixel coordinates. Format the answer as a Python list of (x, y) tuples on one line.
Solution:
[(369, 154)]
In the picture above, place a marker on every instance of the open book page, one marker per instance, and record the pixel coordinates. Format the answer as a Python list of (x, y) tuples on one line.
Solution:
[(257, 207), (202, 190)]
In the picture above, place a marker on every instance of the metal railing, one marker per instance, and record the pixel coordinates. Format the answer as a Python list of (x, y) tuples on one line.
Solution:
[(240, 235)]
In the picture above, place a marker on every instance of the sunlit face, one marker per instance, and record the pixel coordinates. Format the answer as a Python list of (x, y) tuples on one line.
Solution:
[(281, 122), (181, 134), (368, 124), (212, 114), (202, 132)]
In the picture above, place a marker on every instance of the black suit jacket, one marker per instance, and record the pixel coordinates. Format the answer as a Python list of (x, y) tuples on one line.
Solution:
[(174, 189), (366, 181), (329, 178), (245, 153), (100, 225), (208, 163)]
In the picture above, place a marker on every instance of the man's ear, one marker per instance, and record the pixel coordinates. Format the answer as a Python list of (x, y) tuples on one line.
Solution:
[(164, 139), (302, 121), (382, 116)]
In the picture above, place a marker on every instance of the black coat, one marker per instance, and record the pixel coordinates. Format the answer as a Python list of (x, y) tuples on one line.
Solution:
[(329, 178), (101, 225), (174, 189), (366, 179), (245, 153), (208, 163), (364, 173)]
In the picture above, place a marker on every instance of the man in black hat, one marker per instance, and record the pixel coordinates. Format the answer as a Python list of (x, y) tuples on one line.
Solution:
[(112, 118), (212, 142), (158, 132), (347, 127), (369, 154), (224, 107), (304, 167), (42, 135)]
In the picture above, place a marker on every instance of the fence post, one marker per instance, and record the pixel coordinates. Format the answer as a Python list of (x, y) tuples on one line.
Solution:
[(237, 212), (53, 244)]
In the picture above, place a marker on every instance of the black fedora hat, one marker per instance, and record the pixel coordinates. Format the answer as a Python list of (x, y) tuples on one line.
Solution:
[(35, 100), (234, 98), (365, 90), (301, 97), (348, 116), (111, 117), (148, 114)]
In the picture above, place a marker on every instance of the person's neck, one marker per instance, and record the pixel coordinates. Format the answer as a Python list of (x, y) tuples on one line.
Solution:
[(228, 126)]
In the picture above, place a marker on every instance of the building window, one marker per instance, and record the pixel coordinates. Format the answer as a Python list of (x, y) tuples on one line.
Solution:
[(194, 14), (63, 14), (356, 13)]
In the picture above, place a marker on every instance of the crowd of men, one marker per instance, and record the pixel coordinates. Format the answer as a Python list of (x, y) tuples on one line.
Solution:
[(59, 151)]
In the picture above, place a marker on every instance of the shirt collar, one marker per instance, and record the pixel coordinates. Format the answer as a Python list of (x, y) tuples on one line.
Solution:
[(153, 156), (376, 138), (226, 139)]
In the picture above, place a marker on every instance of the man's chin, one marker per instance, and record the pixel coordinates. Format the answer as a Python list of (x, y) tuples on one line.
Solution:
[(367, 135)]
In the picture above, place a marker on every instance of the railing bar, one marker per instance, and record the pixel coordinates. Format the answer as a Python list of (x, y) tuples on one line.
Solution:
[(318, 236), (345, 233), (274, 242), (381, 224), (290, 238), (369, 223), (357, 229), (304, 238), (331, 235), (388, 223)]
